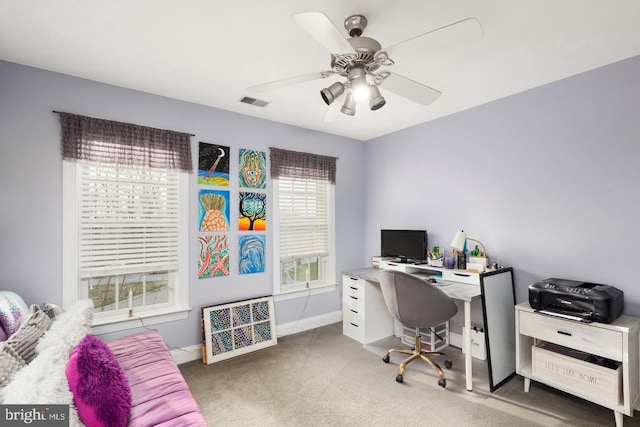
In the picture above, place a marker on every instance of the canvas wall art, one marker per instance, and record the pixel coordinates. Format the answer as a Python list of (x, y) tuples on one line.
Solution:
[(252, 253), (213, 210), (252, 170), (213, 164), (252, 212), (213, 256)]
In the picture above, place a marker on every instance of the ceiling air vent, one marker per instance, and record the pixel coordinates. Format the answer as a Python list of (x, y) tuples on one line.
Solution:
[(253, 101)]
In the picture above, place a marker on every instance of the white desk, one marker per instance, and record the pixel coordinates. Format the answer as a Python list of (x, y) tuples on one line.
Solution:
[(366, 318)]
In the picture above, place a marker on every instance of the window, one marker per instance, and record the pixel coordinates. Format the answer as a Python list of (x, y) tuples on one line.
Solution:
[(125, 222), (304, 216)]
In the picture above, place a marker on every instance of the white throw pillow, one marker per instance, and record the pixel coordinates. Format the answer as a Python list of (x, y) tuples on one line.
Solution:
[(69, 327), (44, 380)]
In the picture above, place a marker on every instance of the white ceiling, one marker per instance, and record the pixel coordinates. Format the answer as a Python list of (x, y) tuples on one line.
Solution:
[(208, 52)]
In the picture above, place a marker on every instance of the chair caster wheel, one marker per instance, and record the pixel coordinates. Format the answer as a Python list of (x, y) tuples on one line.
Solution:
[(399, 378), (442, 383), (385, 359), (448, 364)]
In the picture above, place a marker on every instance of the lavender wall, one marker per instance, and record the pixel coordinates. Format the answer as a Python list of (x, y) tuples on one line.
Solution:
[(548, 180), (31, 187)]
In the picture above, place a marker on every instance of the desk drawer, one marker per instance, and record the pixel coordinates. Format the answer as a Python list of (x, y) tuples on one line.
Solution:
[(397, 266), (588, 338), (353, 293), (352, 325), (354, 304), (352, 316), (461, 276), (352, 287)]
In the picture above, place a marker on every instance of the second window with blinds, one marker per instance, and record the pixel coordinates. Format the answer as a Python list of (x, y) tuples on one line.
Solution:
[(304, 231)]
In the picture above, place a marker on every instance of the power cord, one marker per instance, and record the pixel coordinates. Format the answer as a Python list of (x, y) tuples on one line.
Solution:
[(304, 308)]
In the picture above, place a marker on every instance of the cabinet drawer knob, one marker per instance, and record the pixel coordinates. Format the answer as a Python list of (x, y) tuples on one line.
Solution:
[(354, 325), (565, 333), (353, 311), (354, 288), (353, 278)]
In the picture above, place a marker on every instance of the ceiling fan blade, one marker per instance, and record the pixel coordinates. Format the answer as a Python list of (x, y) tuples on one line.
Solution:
[(332, 112), (410, 89), (320, 27), (290, 81), (447, 37)]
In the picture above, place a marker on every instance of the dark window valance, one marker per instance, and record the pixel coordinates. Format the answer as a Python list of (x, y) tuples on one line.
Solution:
[(125, 144), (294, 164)]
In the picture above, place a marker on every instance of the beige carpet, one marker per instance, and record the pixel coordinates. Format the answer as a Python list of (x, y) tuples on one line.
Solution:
[(322, 378)]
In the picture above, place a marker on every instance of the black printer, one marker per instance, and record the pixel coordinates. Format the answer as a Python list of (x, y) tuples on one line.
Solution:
[(588, 302)]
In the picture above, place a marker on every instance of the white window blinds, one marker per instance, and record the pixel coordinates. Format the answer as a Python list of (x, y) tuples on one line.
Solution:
[(304, 217), (128, 220)]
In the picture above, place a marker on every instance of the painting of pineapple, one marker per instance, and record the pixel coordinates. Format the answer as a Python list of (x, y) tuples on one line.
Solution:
[(214, 210)]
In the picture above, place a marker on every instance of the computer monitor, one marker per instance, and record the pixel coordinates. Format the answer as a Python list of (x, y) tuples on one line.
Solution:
[(408, 245)]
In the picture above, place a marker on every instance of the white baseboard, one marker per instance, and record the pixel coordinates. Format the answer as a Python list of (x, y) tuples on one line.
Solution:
[(187, 354), (308, 323), (194, 352)]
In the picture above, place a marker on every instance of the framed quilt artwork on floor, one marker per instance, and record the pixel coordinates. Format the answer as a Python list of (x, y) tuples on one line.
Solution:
[(237, 328)]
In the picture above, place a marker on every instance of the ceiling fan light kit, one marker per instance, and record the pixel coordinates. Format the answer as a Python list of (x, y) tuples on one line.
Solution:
[(359, 58), (329, 94), (349, 106), (359, 85), (377, 101)]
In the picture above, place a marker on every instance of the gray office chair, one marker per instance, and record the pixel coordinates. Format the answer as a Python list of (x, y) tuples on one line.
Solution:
[(417, 304)]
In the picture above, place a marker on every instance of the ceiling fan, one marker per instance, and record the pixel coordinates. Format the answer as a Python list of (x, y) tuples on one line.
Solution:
[(359, 59)]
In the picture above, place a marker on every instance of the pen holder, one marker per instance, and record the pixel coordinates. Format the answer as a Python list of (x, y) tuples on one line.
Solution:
[(435, 262), (450, 262), (461, 263)]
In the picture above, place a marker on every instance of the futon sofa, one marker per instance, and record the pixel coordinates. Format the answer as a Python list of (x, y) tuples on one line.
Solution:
[(129, 381), (160, 396)]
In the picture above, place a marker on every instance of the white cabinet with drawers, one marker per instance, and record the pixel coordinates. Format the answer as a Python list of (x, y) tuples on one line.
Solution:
[(545, 348), (357, 300)]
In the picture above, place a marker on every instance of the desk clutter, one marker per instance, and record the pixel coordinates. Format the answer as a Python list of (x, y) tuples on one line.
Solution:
[(435, 257), (410, 247)]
